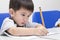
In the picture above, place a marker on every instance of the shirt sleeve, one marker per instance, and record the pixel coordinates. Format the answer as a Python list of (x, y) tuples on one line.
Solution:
[(7, 23)]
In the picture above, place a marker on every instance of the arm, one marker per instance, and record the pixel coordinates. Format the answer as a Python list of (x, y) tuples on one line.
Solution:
[(17, 31)]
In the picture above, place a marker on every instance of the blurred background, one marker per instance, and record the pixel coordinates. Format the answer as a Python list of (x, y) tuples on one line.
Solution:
[(46, 5)]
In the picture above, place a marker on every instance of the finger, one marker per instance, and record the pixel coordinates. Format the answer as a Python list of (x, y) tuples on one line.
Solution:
[(44, 31)]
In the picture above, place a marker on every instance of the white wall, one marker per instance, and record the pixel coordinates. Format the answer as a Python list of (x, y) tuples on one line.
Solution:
[(47, 4), (44, 4), (4, 6)]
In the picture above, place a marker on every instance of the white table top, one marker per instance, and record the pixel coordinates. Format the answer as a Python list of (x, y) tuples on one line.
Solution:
[(54, 34)]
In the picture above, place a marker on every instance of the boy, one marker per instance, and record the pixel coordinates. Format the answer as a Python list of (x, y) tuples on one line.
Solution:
[(17, 24)]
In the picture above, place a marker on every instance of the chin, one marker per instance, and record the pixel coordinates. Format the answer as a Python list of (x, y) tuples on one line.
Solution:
[(21, 24)]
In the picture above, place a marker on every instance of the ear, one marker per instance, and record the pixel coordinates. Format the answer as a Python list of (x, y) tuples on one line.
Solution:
[(11, 11)]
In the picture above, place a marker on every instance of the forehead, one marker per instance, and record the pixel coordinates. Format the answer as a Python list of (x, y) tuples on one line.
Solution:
[(23, 10)]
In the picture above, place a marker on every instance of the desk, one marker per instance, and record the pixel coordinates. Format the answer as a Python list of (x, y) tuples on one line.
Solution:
[(54, 34)]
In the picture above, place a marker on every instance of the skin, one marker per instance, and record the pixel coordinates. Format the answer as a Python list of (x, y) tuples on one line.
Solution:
[(21, 17)]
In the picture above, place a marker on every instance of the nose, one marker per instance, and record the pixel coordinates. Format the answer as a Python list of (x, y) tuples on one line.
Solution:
[(25, 19)]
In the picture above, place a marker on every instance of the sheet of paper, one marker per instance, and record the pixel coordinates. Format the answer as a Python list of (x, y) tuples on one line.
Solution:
[(53, 31), (22, 38), (54, 34)]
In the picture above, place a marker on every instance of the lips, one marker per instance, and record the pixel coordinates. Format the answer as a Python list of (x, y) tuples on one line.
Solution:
[(23, 23)]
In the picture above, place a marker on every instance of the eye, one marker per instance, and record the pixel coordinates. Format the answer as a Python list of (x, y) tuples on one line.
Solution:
[(28, 16), (23, 14)]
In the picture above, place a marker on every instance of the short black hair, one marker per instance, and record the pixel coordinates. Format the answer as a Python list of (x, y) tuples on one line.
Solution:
[(17, 4)]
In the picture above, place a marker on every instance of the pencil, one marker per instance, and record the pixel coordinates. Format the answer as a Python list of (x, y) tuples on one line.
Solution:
[(41, 16)]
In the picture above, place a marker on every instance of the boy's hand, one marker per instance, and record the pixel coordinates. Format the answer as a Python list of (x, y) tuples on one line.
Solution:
[(41, 30)]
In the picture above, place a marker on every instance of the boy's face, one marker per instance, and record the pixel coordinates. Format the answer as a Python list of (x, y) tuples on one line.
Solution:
[(20, 16)]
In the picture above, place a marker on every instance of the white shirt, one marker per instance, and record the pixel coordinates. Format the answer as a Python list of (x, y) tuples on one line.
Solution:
[(8, 23)]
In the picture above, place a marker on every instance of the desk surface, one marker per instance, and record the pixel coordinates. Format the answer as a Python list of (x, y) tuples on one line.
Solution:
[(54, 34)]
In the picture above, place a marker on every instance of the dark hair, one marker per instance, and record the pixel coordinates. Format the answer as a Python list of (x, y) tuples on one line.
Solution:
[(17, 4)]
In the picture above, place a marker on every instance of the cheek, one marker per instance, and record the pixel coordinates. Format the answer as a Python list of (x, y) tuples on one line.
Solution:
[(19, 18)]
